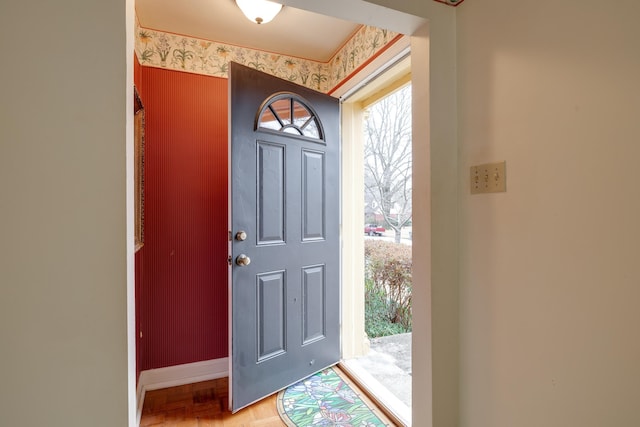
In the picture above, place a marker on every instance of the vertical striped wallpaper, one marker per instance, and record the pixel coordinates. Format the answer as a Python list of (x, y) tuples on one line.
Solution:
[(183, 289)]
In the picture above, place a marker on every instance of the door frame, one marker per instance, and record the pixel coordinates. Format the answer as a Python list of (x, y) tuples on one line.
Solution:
[(392, 75), (381, 76)]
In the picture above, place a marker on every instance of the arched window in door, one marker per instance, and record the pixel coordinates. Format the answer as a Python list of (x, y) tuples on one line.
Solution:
[(289, 113)]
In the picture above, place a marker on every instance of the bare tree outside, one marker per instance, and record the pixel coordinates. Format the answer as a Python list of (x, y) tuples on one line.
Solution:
[(388, 160)]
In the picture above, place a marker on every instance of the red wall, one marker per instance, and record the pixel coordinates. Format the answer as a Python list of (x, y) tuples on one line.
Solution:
[(182, 268)]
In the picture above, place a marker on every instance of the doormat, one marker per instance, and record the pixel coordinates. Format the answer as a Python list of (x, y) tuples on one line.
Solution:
[(326, 399)]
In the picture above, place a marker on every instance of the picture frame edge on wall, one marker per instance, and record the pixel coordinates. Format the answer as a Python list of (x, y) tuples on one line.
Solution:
[(138, 120)]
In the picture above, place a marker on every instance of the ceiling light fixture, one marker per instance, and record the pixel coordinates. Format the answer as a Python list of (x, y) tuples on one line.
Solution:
[(259, 11)]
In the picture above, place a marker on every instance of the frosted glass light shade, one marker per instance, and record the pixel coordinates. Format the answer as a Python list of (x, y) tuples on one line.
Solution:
[(259, 11)]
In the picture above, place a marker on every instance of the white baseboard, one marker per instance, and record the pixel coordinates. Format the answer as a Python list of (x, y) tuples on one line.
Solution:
[(154, 379)]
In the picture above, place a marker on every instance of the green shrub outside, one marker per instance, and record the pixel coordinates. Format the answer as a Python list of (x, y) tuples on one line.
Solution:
[(387, 288)]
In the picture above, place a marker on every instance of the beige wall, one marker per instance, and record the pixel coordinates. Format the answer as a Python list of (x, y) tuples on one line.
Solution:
[(549, 282), (63, 222)]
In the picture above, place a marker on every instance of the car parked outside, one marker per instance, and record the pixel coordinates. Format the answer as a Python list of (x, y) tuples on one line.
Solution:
[(373, 230)]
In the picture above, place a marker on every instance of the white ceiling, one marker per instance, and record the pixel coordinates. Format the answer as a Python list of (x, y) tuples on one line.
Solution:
[(294, 32)]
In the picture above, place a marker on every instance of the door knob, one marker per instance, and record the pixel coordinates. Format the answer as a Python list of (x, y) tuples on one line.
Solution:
[(241, 236), (242, 260)]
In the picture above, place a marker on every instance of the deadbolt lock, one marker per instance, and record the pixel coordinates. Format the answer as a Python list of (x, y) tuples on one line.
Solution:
[(241, 236)]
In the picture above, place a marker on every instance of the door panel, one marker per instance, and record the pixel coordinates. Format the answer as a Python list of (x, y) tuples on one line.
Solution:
[(314, 307), (271, 314), (284, 194), (271, 193), (313, 195)]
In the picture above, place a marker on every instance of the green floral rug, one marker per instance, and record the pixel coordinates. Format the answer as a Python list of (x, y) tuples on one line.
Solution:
[(325, 399)]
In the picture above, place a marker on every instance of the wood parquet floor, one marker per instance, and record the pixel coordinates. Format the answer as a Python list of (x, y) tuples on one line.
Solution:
[(204, 404)]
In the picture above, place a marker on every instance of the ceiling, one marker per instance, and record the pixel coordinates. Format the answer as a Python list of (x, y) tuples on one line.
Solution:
[(294, 32)]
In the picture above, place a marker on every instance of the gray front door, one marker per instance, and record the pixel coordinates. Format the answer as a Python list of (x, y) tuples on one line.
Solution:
[(285, 253)]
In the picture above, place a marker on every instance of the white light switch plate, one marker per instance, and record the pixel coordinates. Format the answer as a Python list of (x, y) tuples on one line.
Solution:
[(489, 178)]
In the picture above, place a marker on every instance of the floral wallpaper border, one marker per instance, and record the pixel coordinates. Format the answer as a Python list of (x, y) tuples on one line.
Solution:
[(193, 55)]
